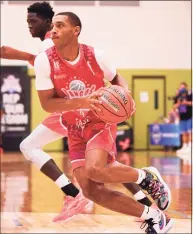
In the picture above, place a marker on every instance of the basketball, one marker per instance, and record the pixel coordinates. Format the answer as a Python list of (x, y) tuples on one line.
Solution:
[(117, 104)]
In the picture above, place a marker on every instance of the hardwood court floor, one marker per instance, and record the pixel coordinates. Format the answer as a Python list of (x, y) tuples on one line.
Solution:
[(29, 200)]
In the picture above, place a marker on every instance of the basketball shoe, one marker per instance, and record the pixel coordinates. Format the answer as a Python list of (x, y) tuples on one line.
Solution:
[(72, 206), (156, 188), (160, 224)]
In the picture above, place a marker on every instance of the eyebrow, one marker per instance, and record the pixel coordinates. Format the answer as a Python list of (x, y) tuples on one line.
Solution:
[(59, 22)]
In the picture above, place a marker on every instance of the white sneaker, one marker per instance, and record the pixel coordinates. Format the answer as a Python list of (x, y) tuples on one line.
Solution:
[(160, 224), (183, 150)]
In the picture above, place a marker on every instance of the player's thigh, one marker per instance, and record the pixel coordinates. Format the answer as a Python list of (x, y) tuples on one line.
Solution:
[(101, 148), (42, 135), (96, 158), (182, 126), (189, 125)]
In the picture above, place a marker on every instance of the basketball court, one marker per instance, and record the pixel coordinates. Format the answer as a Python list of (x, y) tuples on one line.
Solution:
[(145, 42), (29, 200)]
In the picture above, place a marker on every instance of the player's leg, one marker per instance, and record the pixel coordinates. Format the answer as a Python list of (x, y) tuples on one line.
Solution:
[(189, 132), (121, 203), (149, 179), (32, 149), (183, 131)]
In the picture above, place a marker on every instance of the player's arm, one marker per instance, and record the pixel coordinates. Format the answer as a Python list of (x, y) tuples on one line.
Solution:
[(11, 53), (119, 80), (188, 102), (47, 93), (110, 73)]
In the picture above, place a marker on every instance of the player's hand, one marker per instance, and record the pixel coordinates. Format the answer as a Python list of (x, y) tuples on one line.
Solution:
[(92, 102), (177, 105), (31, 60), (185, 102)]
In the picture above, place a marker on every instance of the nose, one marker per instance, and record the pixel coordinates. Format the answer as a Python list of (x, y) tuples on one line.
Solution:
[(54, 30), (30, 26)]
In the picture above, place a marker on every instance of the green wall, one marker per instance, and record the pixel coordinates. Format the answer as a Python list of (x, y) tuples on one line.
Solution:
[(173, 78)]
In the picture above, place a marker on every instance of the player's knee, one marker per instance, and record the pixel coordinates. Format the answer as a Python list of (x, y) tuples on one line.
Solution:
[(26, 148), (23, 146), (92, 191), (95, 173)]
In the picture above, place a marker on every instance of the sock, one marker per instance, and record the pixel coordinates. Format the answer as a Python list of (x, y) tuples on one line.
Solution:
[(184, 145), (66, 186), (142, 198), (189, 144), (70, 190), (149, 213), (141, 176)]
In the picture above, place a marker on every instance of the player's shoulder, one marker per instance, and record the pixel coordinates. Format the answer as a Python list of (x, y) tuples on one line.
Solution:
[(46, 44), (97, 52), (41, 59)]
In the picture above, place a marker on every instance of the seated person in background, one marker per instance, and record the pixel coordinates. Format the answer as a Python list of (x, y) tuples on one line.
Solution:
[(173, 117), (2, 111), (183, 103)]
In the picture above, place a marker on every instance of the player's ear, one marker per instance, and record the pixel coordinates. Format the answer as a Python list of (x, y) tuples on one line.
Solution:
[(77, 31)]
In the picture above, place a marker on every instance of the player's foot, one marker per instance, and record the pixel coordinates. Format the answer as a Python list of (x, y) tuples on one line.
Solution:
[(72, 206), (89, 208), (140, 220), (160, 224), (183, 150), (156, 188)]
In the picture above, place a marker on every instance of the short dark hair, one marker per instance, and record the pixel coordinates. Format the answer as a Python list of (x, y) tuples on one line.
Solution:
[(184, 83), (74, 19), (43, 9)]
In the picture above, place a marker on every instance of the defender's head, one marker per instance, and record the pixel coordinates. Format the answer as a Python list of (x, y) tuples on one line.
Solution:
[(39, 18)]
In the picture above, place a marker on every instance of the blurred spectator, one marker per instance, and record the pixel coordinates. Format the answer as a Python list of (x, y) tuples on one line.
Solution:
[(1, 116), (173, 117), (183, 103)]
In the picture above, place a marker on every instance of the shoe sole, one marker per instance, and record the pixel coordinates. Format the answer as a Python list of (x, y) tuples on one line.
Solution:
[(77, 211), (169, 226), (87, 209), (156, 172)]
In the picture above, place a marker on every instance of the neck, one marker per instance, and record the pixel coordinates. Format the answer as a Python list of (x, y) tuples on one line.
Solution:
[(42, 37), (69, 52)]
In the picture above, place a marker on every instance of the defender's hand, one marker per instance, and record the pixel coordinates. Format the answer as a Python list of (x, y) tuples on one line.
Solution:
[(31, 60)]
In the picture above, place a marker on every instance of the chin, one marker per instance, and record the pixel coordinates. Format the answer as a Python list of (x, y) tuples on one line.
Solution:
[(34, 35)]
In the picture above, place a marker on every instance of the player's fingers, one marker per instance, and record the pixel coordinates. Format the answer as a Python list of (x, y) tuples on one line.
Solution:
[(97, 94), (95, 108), (95, 101)]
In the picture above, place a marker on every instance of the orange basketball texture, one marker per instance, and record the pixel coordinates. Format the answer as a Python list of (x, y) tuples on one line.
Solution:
[(117, 104)]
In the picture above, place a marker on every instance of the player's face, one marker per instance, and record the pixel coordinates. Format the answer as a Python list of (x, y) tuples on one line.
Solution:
[(63, 31), (37, 26)]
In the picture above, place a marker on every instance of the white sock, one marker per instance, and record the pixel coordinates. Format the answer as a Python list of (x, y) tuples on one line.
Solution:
[(139, 195), (62, 181), (149, 213), (184, 145), (189, 144), (141, 176)]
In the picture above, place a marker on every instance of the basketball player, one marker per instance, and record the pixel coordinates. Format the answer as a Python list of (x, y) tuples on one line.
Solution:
[(39, 22), (67, 76)]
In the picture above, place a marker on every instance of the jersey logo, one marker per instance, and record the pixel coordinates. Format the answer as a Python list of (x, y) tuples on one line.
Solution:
[(56, 65)]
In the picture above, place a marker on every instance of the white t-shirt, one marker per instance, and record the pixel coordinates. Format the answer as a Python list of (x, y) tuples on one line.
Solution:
[(43, 70), (45, 44)]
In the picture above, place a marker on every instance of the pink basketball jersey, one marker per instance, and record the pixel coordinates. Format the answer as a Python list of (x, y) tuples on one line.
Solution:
[(74, 81)]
